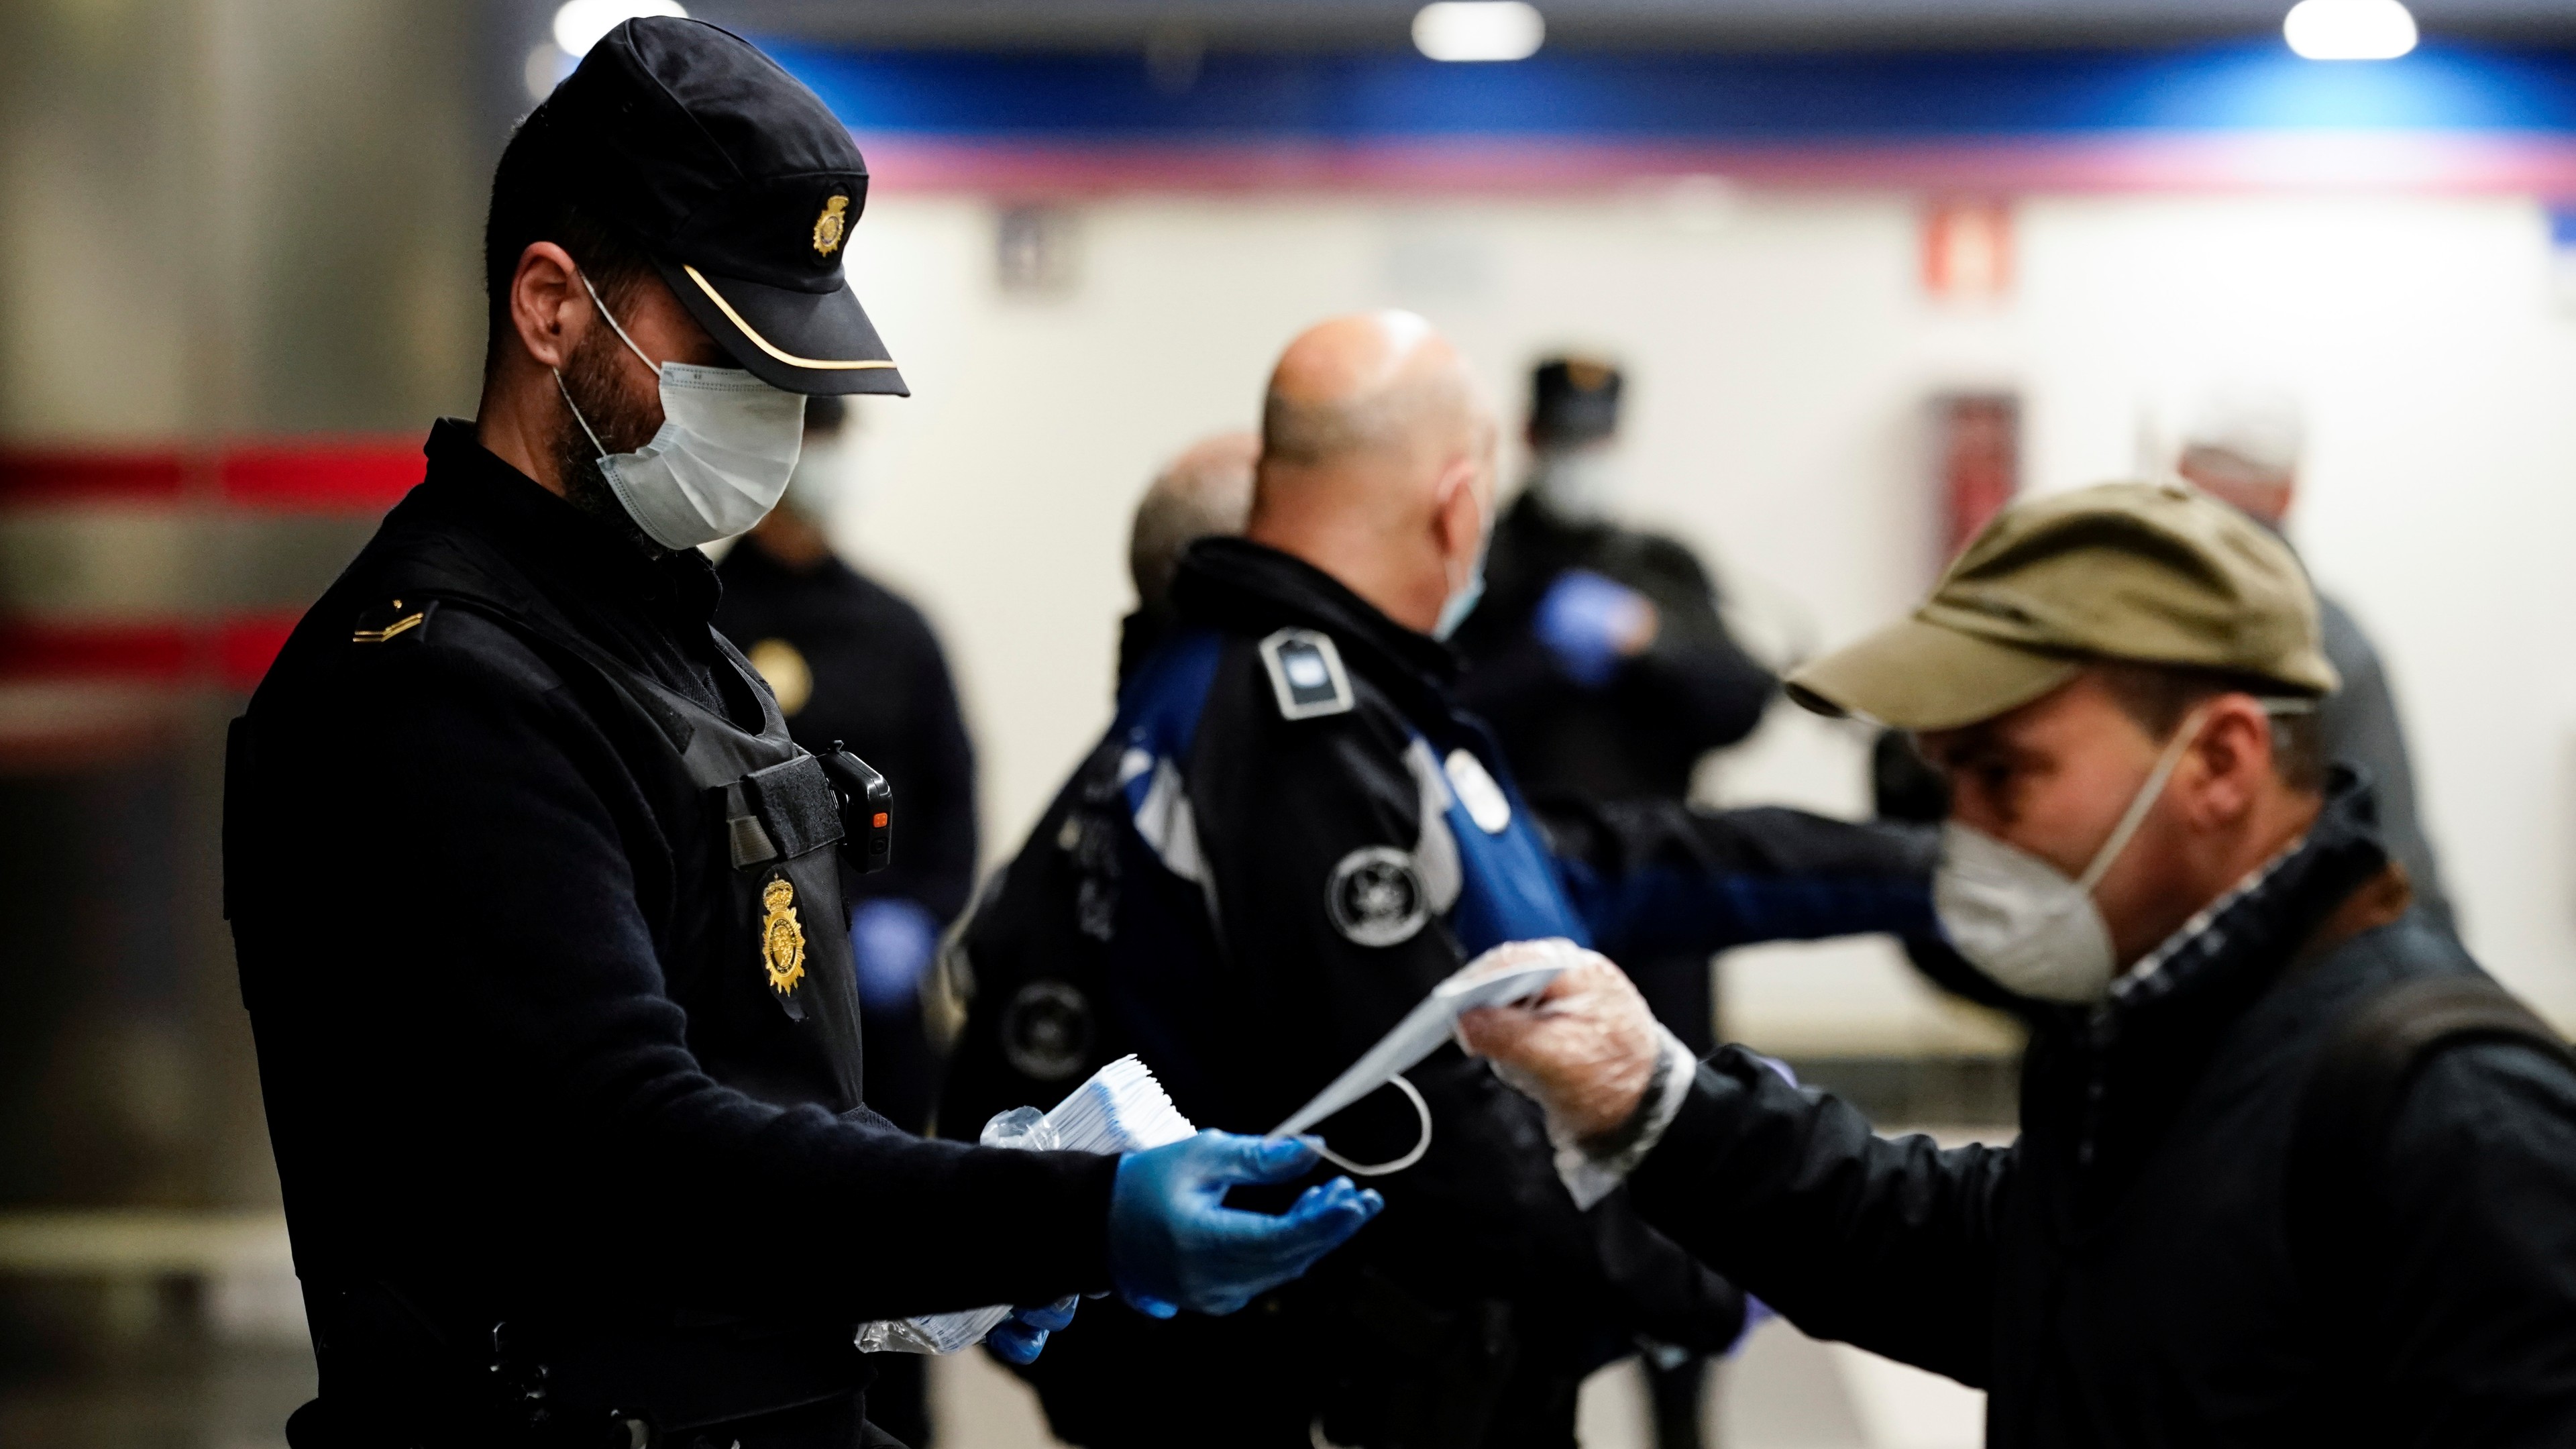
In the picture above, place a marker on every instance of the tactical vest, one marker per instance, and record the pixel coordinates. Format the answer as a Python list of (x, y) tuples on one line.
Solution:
[(773, 1004)]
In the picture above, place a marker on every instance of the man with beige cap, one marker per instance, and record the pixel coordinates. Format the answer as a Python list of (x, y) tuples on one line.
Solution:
[(2292, 1169)]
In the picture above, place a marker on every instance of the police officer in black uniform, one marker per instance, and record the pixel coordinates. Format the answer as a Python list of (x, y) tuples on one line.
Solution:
[(854, 663), (538, 904), (1289, 835), (1598, 652), (1602, 663)]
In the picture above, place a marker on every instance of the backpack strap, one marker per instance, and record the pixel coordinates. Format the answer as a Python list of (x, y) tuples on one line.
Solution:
[(2350, 1102)]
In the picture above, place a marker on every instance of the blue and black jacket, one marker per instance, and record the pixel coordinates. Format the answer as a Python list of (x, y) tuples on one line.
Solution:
[(1290, 833)]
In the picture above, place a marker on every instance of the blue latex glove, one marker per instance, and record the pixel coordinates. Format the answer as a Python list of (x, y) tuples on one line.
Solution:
[(1021, 1337), (893, 939), (1591, 623), (1174, 1244)]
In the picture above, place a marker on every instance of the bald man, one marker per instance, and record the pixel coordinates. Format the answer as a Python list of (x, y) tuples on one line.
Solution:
[(1206, 492), (1290, 834)]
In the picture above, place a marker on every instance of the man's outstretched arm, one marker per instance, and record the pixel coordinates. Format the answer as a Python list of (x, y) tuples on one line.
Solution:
[(1887, 1244), (1656, 876)]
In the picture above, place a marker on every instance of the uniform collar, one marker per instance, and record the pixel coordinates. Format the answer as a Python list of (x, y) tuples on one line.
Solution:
[(1245, 587), (566, 550), (2244, 937)]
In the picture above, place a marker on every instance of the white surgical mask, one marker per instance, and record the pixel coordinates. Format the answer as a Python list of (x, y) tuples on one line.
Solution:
[(2020, 920), (726, 448), (1463, 600)]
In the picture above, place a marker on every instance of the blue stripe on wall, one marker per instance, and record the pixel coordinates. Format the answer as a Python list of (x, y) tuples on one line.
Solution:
[(1620, 96)]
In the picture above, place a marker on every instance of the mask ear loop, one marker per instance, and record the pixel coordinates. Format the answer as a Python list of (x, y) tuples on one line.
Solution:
[(2148, 794), (611, 319), (575, 410), (1421, 1109)]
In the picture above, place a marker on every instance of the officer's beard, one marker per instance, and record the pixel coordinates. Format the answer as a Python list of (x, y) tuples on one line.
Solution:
[(602, 379)]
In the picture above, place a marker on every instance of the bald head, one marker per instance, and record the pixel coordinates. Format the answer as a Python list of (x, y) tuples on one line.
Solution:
[(1206, 491), (1372, 384), (1377, 461)]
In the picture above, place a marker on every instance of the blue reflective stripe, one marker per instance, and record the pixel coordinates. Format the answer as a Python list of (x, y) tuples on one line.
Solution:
[(1509, 888), (1158, 711), (1663, 909)]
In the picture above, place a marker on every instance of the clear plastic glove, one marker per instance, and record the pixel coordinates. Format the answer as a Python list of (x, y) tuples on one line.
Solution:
[(1021, 1337), (1591, 622), (1584, 1050), (1174, 1244), (893, 940)]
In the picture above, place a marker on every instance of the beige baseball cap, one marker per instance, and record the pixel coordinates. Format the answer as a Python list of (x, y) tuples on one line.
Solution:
[(2145, 573)]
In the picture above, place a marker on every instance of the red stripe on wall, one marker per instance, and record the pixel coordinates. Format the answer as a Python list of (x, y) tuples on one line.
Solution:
[(35, 649), (332, 474), (370, 473), (2305, 161), (246, 646), (65, 475), (235, 651)]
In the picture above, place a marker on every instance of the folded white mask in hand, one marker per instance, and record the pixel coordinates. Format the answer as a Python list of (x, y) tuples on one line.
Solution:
[(1493, 979), (1120, 1109)]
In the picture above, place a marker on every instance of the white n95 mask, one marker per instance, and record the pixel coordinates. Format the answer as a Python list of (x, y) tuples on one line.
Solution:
[(721, 460), (2020, 920)]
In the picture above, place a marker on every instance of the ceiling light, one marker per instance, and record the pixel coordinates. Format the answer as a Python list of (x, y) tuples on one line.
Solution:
[(1478, 30), (2350, 29), (580, 24)]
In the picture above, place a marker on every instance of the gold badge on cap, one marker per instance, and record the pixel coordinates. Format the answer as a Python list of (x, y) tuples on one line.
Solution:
[(782, 940), (831, 226)]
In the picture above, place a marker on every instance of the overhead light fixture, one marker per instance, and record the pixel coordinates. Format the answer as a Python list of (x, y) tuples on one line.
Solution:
[(1478, 30), (580, 24), (2350, 29)]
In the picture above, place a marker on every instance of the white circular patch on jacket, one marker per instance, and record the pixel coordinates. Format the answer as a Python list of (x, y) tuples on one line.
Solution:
[(1046, 1031), (1485, 801), (1376, 897)]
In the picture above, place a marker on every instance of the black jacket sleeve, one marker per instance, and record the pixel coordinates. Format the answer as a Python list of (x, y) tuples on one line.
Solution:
[(1657, 876), (506, 1047), (1889, 1244), (2472, 1296)]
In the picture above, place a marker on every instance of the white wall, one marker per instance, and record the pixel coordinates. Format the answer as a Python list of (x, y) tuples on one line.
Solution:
[(1779, 348)]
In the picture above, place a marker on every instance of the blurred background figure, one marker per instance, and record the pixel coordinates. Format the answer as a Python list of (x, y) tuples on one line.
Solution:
[(1601, 661), (852, 661), (1598, 655), (1205, 492), (2243, 445)]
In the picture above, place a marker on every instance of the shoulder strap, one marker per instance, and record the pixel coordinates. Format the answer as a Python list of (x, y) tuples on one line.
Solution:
[(2352, 1096), (532, 624)]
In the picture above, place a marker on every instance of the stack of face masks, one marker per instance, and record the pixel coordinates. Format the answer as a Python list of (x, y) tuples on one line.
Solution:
[(1121, 1109)]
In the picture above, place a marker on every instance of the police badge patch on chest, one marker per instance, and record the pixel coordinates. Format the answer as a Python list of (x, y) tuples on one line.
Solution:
[(1376, 897), (782, 939)]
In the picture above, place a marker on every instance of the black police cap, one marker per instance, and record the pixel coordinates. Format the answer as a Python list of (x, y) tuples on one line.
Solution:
[(1573, 400), (740, 185)]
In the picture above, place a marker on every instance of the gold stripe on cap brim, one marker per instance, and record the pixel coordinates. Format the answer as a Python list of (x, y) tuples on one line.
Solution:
[(764, 344)]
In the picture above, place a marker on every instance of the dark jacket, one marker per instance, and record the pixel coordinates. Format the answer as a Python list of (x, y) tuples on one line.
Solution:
[(519, 1054), (2123, 1274), (1640, 735), (1248, 892), (880, 684)]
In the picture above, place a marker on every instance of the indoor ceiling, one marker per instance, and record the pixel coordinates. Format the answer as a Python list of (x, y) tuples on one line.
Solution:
[(1711, 24)]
